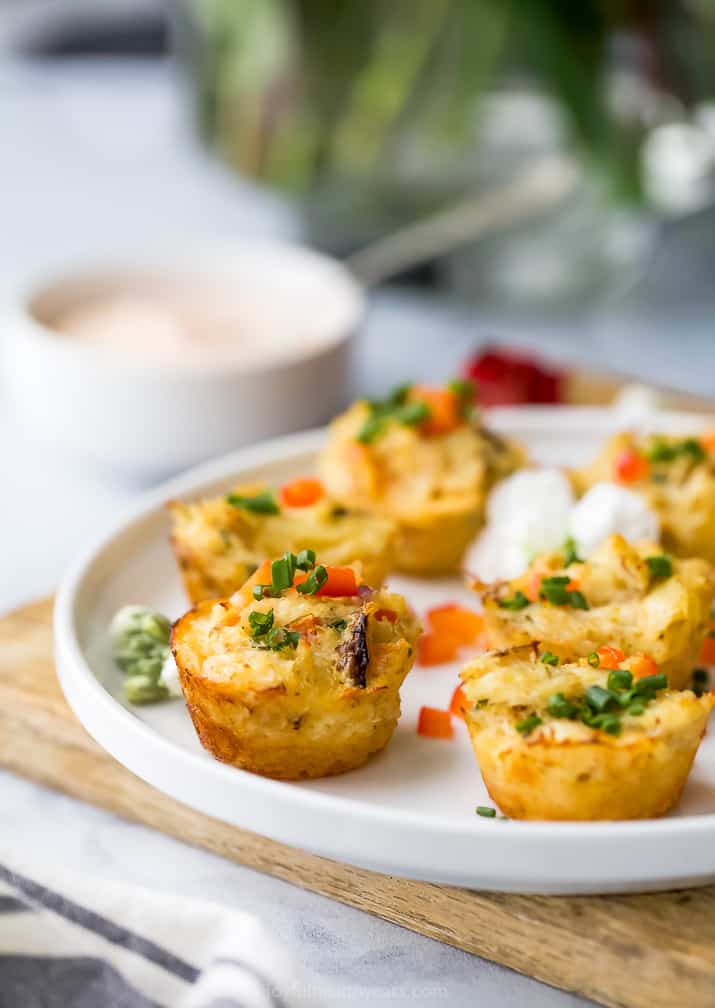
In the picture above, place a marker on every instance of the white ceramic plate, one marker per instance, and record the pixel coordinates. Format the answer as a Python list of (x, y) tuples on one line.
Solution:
[(411, 810)]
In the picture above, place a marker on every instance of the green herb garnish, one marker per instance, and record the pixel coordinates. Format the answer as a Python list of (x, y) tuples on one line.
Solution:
[(517, 601), (558, 706), (412, 413), (279, 638), (599, 698), (547, 658), (665, 451), (526, 726), (554, 589), (578, 600), (283, 572), (660, 566), (339, 625), (487, 811), (270, 637), (602, 708), (372, 427), (260, 622), (305, 560), (593, 659), (649, 685), (314, 582), (395, 407), (570, 552), (463, 388), (620, 679), (261, 503)]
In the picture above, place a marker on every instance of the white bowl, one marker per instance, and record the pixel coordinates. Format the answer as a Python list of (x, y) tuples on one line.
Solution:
[(155, 415)]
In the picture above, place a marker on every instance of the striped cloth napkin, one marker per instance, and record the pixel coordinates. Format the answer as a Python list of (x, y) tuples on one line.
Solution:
[(71, 940)]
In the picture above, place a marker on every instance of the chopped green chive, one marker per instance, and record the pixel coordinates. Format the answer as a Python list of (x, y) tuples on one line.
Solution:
[(371, 429), (339, 625), (555, 590), (526, 726), (570, 552), (517, 601), (636, 708), (283, 572), (412, 413), (396, 397), (487, 811), (260, 622), (649, 685), (305, 560), (547, 658), (279, 638), (609, 723), (314, 582), (660, 566), (559, 707), (593, 659), (261, 503), (620, 679), (665, 451), (578, 600), (462, 388), (260, 591), (599, 698)]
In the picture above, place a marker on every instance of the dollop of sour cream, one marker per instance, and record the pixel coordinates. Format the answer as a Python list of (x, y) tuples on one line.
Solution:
[(534, 511), (169, 677), (607, 508)]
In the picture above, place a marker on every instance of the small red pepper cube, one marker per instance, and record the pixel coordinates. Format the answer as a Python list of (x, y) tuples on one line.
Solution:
[(630, 467), (434, 723)]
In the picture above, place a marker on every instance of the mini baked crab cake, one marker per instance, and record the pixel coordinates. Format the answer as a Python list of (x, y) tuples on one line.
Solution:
[(219, 542), (573, 742), (633, 595), (676, 478), (423, 458), (299, 677)]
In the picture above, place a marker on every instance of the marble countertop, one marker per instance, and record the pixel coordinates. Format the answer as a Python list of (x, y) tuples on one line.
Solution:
[(123, 135)]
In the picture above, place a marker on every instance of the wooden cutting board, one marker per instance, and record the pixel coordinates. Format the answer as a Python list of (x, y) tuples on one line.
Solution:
[(648, 951)]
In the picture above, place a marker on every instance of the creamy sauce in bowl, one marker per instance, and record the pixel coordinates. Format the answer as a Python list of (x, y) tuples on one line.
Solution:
[(252, 312)]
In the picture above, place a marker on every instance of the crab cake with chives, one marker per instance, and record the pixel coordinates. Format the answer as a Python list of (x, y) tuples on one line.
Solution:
[(632, 595), (567, 741), (676, 478), (218, 542), (298, 674), (424, 459)]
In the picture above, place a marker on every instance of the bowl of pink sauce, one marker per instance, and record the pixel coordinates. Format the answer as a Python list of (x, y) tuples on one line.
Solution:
[(157, 363)]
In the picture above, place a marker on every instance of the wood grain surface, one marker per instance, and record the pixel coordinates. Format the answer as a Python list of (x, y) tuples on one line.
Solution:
[(650, 951)]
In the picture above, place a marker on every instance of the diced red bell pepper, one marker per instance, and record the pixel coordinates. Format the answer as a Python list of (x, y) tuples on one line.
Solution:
[(630, 467), (302, 492), (459, 703), (610, 657), (434, 649), (435, 723)]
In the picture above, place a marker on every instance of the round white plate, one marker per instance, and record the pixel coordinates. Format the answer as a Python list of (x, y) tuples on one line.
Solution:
[(411, 810)]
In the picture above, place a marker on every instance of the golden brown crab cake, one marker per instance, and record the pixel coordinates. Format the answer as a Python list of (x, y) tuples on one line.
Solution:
[(423, 459), (676, 478), (218, 542), (295, 686), (572, 742), (633, 596)]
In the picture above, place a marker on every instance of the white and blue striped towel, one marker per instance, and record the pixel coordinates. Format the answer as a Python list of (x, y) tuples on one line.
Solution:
[(69, 940)]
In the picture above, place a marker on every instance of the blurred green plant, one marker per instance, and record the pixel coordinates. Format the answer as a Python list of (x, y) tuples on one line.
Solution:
[(304, 92)]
